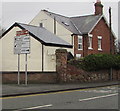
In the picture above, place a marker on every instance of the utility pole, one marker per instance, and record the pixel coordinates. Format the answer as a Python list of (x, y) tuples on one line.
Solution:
[(110, 25)]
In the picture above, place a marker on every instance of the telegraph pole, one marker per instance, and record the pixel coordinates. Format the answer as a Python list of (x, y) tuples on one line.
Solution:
[(110, 25)]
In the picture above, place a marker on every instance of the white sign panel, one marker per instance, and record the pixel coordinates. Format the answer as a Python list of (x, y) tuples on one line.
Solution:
[(22, 44)]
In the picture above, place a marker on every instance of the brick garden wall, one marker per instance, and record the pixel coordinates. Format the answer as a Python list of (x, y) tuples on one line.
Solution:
[(68, 73), (33, 77)]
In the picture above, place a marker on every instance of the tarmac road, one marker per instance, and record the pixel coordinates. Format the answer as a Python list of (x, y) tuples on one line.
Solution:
[(95, 98)]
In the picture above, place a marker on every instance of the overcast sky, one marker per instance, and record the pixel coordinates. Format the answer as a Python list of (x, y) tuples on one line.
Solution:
[(25, 10)]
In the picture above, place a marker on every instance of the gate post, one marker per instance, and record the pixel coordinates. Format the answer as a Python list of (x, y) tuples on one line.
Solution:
[(61, 65)]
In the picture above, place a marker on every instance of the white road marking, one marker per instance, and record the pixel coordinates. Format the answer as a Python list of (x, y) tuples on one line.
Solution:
[(40, 106), (102, 91), (86, 99), (36, 107)]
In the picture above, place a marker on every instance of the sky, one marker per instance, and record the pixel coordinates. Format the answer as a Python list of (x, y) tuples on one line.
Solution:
[(25, 10)]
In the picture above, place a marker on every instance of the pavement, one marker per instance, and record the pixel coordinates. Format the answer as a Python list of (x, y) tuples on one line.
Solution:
[(16, 90)]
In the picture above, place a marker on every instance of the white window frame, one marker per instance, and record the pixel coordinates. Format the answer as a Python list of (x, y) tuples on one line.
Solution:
[(80, 37), (90, 42), (100, 38)]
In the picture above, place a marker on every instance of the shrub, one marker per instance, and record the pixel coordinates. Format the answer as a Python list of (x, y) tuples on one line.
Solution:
[(117, 62), (96, 62)]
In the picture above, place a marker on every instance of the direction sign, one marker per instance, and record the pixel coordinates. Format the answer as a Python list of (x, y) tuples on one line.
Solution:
[(22, 46), (22, 43)]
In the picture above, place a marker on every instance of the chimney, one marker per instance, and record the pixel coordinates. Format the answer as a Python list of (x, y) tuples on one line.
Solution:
[(98, 8)]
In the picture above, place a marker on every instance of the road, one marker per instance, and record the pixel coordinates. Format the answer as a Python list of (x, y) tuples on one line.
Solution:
[(95, 98)]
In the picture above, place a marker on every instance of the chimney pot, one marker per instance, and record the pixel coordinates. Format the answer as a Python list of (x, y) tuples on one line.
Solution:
[(99, 1), (98, 7)]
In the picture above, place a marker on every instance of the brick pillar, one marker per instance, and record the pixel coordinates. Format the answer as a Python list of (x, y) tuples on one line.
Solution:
[(61, 65)]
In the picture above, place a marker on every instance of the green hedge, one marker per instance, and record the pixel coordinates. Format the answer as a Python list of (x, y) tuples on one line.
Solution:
[(96, 62)]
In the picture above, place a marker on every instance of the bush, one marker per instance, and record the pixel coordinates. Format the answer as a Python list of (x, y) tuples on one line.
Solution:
[(117, 62), (96, 62)]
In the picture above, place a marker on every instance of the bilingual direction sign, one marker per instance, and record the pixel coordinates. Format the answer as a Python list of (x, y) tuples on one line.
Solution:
[(22, 42), (22, 46)]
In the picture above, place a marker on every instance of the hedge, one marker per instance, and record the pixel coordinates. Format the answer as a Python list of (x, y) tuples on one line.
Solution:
[(96, 62)]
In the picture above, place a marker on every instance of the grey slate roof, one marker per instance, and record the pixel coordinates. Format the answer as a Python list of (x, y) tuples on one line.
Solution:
[(61, 20), (77, 25), (44, 36), (85, 23)]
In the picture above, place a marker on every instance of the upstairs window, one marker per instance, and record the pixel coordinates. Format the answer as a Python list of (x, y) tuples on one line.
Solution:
[(80, 46), (99, 42), (90, 41)]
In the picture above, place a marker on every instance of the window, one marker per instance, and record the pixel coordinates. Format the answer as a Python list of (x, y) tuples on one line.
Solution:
[(90, 42), (80, 43), (99, 42)]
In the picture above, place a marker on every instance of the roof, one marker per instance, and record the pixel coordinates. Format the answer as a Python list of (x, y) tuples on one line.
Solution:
[(85, 23), (41, 34), (65, 21), (77, 25)]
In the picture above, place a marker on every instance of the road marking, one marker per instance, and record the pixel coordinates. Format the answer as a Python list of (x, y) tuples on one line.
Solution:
[(12, 97), (87, 99), (36, 107)]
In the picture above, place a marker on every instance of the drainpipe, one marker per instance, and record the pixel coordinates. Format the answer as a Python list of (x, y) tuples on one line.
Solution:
[(42, 58), (54, 26)]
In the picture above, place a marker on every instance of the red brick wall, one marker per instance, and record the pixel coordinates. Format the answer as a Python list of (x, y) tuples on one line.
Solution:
[(101, 29), (32, 78), (85, 45)]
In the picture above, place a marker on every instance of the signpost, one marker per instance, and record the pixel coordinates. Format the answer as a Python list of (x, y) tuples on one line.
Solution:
[(22, 46)]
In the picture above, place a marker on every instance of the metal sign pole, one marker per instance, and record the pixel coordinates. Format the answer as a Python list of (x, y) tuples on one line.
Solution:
[(26, 69), (18, 69)]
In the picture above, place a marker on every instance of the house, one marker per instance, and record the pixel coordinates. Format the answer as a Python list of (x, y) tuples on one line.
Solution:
[(43, 45), (88, 34), (81, 36)]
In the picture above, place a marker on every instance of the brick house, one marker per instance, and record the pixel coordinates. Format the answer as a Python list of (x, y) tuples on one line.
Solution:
[(88, 34)]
